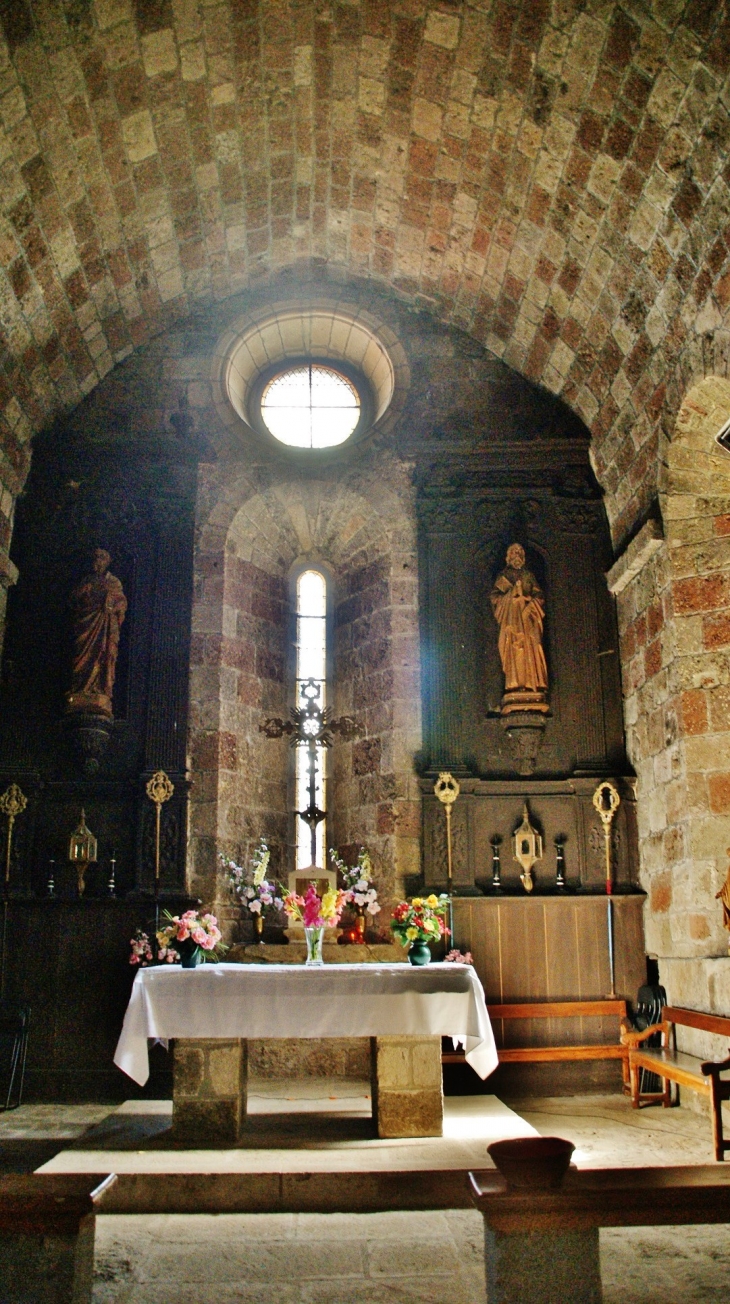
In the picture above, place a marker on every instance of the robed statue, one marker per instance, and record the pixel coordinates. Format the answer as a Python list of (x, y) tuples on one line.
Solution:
[(519, 609), (723, 896), (97, 607)]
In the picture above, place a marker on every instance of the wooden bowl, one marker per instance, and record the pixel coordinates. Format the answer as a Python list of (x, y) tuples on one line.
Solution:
[(540, 1162)]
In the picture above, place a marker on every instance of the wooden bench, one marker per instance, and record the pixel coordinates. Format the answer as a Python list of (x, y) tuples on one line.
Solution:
[(551, 1054), (676, 1066)]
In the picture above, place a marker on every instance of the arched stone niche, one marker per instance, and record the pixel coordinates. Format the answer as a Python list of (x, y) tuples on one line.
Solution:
[(362, 528), (674, 617)]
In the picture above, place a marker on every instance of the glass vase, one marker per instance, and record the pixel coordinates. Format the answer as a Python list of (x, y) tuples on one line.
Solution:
[(314, 938)]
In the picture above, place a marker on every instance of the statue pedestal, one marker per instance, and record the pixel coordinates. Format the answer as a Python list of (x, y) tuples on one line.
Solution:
[(525, 730)]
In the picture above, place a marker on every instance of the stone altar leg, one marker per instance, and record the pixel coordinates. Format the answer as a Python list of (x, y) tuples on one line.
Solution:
[(209, 1090), (407, 1090), (542, 1267)]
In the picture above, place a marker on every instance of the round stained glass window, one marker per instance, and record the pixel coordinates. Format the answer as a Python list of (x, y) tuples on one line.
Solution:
[(310, 406)]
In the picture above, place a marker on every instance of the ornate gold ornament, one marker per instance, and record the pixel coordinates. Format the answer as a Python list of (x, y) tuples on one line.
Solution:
[(447, 789), (12, 803), (82, 848), (527, 843), (159, 789), (607, 801)]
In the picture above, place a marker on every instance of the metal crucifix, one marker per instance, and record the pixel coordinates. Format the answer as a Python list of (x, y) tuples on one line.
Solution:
[(311, 727)]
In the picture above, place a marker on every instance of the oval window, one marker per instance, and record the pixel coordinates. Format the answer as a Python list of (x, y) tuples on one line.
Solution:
[(310, 406)]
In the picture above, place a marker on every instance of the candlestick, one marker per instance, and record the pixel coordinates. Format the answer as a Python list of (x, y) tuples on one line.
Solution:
[(559, 864), (496, 887)]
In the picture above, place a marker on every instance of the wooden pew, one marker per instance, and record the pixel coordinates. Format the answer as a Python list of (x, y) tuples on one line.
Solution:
[(47, 1227), (676, 1066), (614, 1008)]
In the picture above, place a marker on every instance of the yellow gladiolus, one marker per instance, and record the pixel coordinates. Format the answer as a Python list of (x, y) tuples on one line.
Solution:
[(417, 901), (329, 904), (432, 900)]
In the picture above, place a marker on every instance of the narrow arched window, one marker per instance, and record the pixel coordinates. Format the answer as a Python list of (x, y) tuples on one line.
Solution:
[(311, 664)]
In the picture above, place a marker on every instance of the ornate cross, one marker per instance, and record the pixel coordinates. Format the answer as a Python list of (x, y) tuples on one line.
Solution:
[(311, 727)]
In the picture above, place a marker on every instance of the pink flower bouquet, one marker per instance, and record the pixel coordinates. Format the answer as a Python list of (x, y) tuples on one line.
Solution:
[(143, 954), (193, 936)]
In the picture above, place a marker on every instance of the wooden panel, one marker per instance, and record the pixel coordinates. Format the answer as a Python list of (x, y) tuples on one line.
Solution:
[(553, 949)]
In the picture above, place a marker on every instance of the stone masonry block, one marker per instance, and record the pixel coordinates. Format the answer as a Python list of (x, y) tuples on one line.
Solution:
[(207, 1122), (426, 1062), (55, 1268), (188, 1068), (410, 1113), (393, 1063), (227, 1068)]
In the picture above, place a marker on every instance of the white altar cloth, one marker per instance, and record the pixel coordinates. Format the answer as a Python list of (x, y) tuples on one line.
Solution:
[(286, 1000)]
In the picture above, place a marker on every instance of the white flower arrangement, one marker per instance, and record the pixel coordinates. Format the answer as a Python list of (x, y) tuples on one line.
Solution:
[(358, 880), (250, 885)]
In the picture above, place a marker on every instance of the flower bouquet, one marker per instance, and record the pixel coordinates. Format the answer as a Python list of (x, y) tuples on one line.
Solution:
[(195, 937), (459, 957), (418, 922), (316, 913), (358, 880), (143, 954), (252, 887)]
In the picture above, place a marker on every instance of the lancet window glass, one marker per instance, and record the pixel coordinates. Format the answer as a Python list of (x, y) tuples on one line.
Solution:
[(311, 664)]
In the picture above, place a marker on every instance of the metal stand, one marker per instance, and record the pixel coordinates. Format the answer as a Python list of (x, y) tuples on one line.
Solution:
[(12, 803), (607, 801), (447, 789), (14, 1024), (159, 789)]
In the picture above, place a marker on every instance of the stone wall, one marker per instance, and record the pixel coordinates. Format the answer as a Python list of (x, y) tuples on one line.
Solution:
[(673, 593), (361, 526)]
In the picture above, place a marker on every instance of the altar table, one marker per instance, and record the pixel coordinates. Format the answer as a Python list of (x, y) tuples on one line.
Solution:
[(213, 1010)]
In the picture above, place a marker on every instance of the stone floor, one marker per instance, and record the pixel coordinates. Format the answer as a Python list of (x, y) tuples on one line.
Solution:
[(401, 1258)]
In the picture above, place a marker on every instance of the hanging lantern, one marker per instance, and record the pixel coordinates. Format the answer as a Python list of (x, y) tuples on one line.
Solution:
[(527, 844), (82, 850)]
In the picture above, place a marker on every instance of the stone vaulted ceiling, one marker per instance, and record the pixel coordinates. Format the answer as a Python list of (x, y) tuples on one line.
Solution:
[(550, 176)]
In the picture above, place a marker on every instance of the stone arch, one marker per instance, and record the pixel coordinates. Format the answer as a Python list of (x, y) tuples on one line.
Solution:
[(363, 527), (696, 465)]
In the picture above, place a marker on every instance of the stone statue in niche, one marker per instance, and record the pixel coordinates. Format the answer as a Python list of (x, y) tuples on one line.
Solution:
[(519, 609), (97, 609)]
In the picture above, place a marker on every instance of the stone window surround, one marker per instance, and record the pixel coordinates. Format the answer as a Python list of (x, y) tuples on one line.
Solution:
[(312, 329)]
